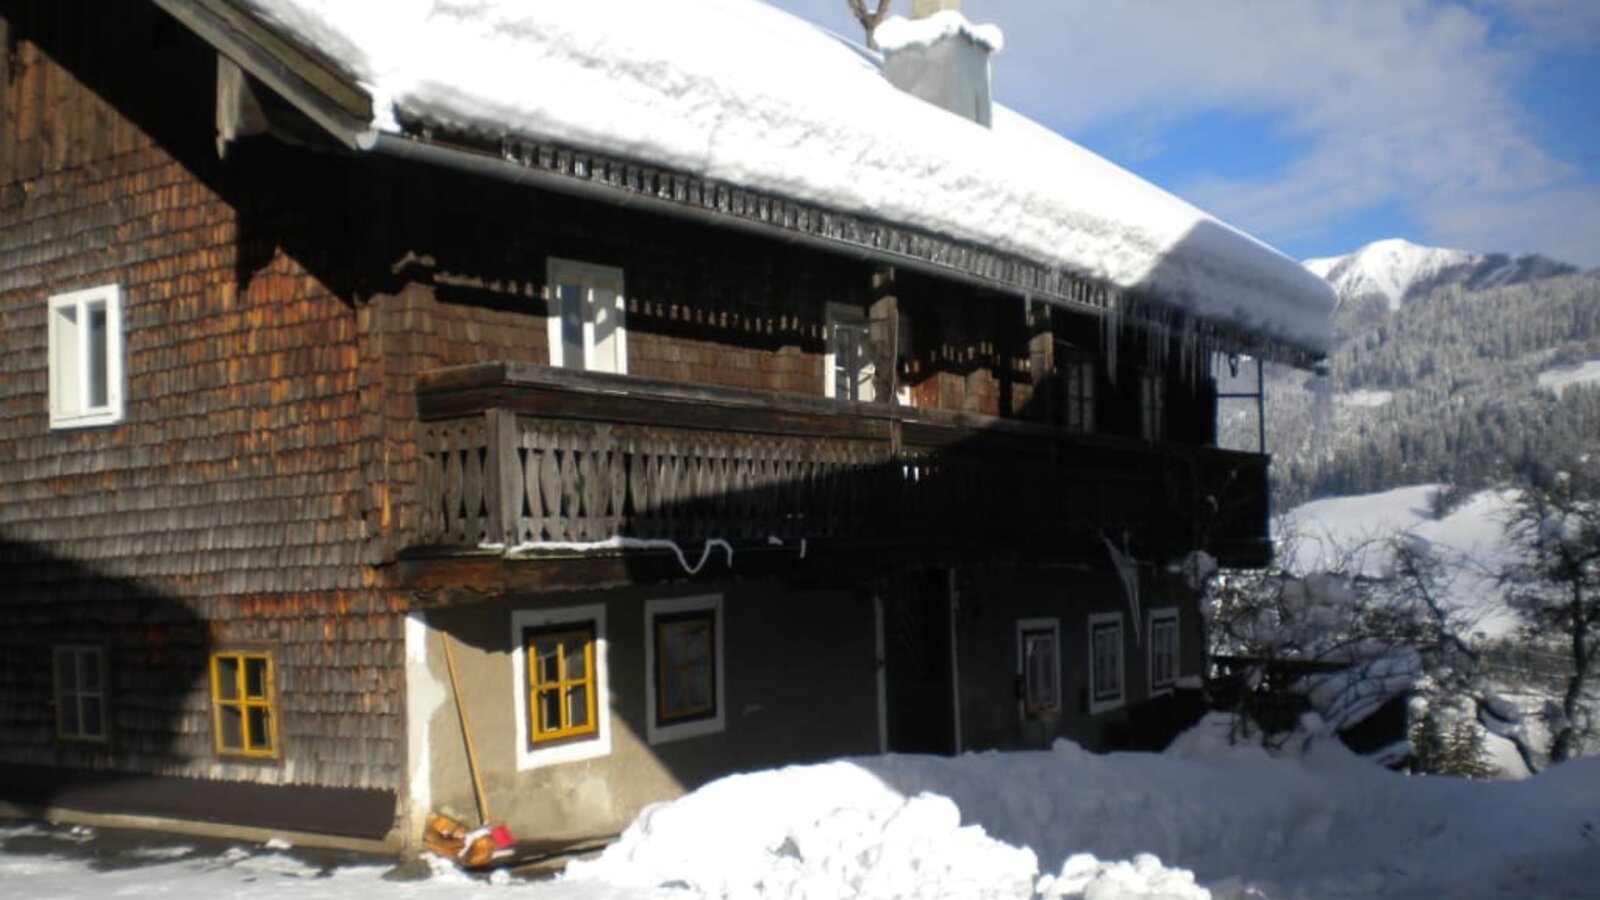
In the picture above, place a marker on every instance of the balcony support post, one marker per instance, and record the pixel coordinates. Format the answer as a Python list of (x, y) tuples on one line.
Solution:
[(503, 474)]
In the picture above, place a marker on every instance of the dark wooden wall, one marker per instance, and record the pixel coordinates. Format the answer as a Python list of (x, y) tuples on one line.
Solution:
[(231, 506)]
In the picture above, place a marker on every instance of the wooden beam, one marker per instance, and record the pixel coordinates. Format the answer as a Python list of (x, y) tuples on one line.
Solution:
[(314, 86), (883, 335)]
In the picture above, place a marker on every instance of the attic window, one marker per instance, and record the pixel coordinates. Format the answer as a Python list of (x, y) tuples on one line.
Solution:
[(85, 348)]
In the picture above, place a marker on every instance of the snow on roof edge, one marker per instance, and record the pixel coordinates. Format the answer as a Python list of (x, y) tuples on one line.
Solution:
[(672, 90)]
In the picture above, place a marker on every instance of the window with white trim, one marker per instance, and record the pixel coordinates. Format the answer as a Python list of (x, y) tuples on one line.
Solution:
[(1105, 662), (683, 668), (1163, 650), (1039, 665), (85, 343), (847, 363), (80, 693), (559, 672), (587, 317)]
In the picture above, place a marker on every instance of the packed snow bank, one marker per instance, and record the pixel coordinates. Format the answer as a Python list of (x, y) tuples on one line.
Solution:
[(739, 91), (833, 830), (1317, 823)]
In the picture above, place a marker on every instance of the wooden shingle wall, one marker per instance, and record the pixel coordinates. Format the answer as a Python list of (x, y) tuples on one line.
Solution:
[(230, 507)]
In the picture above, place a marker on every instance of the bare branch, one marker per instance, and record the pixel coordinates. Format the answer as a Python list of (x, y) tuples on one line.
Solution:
[(870, 20)]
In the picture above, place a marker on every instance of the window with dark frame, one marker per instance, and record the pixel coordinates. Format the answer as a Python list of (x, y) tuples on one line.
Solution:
[(80, 693), (686, 666), (1163, 651), (1152, 407), (1075, 376), (561, 683), (1041, 670), (1106, 661), (244, 719)]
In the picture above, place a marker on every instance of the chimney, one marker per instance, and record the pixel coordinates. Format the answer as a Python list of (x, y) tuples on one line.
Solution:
[(939, 56)]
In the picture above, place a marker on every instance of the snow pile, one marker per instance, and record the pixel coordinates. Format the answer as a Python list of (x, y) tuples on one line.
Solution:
[(822, 831), (898, 33), (1142, 879), (1556, 381), (714, 88)]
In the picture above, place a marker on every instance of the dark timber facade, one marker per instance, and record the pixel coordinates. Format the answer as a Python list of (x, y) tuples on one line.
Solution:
[(674, 496)]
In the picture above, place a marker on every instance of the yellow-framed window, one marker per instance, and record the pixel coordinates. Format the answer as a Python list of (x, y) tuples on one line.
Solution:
[(244, 721), (686, 666), (561, 683)]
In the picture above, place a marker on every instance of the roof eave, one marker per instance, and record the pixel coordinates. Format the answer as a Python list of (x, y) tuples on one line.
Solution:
[(317, 89)]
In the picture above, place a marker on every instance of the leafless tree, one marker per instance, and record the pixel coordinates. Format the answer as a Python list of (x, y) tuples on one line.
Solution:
[(869, 19), (1556, 583)]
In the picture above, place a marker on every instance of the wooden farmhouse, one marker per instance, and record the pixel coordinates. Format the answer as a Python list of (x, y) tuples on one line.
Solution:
[(630, 392)]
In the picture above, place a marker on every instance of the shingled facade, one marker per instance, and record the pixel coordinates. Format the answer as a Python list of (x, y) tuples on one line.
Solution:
[(347, 469)]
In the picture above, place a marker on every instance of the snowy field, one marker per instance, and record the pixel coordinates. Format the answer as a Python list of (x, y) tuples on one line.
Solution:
[(1204, 819), (1558, 380), (1471, 539)]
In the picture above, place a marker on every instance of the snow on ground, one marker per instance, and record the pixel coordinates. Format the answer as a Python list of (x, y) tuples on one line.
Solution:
[(1471, 538), (1557, 381), (1364, 399), (1204, 819), (711, 87)]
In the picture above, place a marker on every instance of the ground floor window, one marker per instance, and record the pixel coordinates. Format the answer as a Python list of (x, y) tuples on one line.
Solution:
[(559, 677), (561, 682), (1105, 661), (244, 720), (1163, 650), (683, 656), (80, 693), (1039, 665)]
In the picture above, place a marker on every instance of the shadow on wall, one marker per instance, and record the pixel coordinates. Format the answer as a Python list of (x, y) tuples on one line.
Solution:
[(105, 707), (98, 681)]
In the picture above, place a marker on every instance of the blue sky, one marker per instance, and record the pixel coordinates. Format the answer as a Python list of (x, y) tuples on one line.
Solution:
[(1321, 125)]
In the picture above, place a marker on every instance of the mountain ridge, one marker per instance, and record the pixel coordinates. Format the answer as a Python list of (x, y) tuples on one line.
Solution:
[(1378, 278)]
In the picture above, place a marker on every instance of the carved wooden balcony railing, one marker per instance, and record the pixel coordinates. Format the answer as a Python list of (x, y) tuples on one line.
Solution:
[(517, 455)]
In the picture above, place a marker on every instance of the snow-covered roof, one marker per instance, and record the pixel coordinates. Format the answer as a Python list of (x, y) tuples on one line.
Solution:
[(741, 92)]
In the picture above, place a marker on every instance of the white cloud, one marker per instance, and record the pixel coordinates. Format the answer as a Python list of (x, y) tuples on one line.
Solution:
[(1385, 101)]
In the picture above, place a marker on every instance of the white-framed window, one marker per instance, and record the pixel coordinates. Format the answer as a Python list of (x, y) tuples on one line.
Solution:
[(847, 363), (1163, 654), (684, 687), (560, 682), (1105, 662), (85, 341), (1039, 665), (1152, 406), (80, 682), (587, 317)]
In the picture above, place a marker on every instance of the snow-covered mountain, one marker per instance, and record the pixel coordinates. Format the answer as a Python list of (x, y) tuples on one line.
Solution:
[(1384, 273)]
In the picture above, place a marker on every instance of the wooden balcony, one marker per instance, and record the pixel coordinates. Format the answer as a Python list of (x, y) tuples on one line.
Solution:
[(526, 457)]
